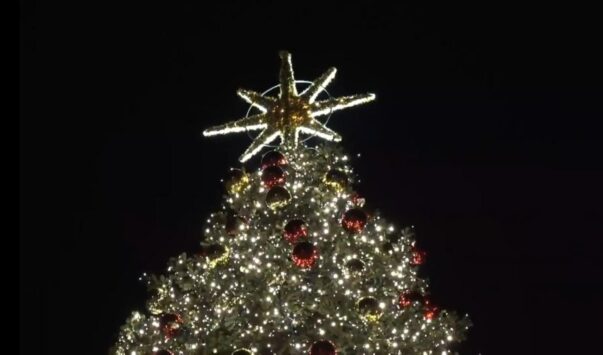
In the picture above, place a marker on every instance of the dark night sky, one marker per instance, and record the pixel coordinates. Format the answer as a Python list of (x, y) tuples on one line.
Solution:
[(485, 136)]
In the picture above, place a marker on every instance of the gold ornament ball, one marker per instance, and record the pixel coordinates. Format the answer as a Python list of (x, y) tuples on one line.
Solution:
[(237, 181), (368, 307), (277, 197), (336, 179), (154, 308), (355, 266), (216, 254)]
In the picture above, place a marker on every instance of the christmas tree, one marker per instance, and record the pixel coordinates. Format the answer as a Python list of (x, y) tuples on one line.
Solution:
[(293, 262)]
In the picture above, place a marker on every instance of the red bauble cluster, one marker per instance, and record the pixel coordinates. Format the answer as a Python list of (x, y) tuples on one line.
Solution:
[(417, 257), (304, 255), (323, 347), (170, 324), (354, 220), (408, 298), (430, 311), (274, 158), (273, 176), (294, 230)]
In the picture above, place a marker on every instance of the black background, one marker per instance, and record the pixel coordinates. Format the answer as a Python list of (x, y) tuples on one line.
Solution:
[(485, 136)]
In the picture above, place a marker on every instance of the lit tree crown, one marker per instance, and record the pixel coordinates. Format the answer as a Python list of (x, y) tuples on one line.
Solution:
[(294, 263)]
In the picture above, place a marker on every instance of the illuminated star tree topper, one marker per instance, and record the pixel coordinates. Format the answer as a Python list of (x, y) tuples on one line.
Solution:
[(289, 114)]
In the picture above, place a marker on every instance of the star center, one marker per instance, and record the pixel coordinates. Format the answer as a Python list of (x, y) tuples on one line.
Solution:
[(290, 113)]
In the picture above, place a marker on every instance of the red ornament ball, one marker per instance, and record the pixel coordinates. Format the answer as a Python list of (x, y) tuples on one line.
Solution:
[(407, 299), (274, 158), (273, 176), (304, 255), (323, 347), (430, 311), (163, 352), (170, 324), (417, 257), (354, 220), (294, 230)]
